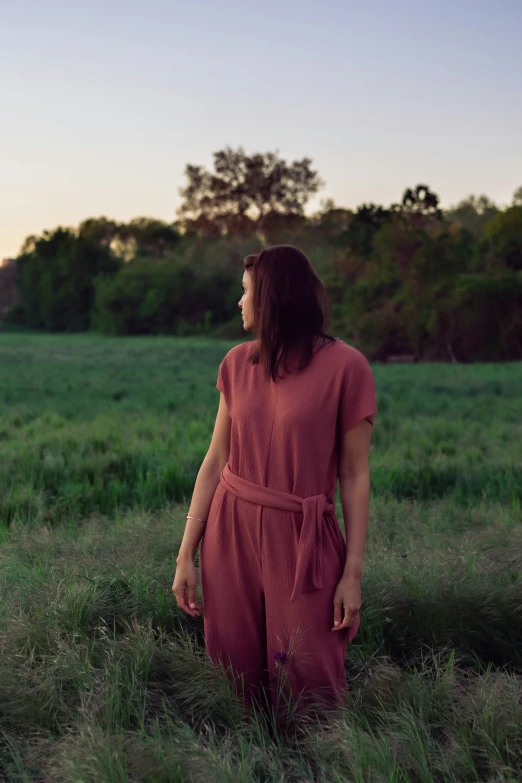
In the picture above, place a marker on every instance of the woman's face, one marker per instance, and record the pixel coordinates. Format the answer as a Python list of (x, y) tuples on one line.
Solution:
[(245, 302)]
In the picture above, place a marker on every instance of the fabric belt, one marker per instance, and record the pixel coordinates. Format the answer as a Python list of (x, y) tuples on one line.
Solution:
[(309, 567)]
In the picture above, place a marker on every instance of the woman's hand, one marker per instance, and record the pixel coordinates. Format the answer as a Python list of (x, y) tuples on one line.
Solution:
[(347, 595), (185, 580)]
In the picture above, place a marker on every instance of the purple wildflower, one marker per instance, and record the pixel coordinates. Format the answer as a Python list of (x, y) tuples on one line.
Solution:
[(280, 658)]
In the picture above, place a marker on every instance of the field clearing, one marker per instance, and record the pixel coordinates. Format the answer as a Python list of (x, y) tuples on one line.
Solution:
[(102, 678)]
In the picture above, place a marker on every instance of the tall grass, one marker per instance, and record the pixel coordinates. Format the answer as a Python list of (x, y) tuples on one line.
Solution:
[(102, 678)]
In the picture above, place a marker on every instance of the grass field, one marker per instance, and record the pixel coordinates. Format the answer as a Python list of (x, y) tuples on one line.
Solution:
[(102, 678)]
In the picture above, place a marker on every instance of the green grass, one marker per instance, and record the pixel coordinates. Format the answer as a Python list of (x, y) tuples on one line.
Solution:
[(102, 678)]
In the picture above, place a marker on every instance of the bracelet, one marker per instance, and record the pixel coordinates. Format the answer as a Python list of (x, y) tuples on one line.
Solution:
[(189, 516)]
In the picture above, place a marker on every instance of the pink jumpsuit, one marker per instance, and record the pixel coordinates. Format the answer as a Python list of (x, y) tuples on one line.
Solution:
[(272, 552)]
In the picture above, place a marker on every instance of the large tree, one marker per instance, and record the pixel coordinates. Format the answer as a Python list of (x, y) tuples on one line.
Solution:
[(245, 193), (58, 279)]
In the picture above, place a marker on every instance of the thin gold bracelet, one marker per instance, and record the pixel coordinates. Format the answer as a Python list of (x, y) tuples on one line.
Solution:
[(189, 516)]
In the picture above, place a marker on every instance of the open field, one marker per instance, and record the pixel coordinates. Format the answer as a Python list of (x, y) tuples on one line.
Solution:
[(102, 678)]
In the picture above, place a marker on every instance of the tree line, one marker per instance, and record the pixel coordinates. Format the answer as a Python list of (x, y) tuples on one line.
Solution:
[(406, 278)]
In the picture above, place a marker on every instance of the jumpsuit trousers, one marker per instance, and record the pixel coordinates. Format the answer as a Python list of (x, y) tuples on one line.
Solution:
[(268, 582)]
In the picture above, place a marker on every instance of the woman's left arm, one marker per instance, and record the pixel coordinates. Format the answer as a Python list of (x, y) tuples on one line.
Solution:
[(354, 485)]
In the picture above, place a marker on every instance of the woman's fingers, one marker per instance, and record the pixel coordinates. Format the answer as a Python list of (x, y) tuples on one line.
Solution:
[(192, 600), (191, 607), (349, 618)]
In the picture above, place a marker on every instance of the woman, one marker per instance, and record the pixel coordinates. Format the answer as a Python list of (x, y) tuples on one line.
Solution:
[(281, 588)]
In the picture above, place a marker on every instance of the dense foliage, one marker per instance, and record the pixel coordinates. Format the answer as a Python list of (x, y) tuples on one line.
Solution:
[(403, 279)]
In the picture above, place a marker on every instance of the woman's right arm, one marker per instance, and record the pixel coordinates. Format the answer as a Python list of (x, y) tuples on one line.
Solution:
[(207, 480), (204, 489)]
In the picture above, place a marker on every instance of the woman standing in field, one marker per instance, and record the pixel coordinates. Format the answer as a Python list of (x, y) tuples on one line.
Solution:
[(281, 588)]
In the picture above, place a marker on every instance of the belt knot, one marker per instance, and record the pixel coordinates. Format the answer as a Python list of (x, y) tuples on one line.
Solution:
[(309, 565)]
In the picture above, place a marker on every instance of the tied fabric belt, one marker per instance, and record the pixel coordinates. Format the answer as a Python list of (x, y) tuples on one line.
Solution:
[(309, 567)]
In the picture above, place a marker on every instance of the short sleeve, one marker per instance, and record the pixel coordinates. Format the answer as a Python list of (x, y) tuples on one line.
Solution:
[(222, 382), (358, 398)]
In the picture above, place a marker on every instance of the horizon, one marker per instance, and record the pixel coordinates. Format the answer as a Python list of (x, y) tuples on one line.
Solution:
[(101, 120)]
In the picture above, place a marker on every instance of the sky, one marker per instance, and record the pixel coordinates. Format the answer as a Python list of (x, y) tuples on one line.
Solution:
[(103, 104)]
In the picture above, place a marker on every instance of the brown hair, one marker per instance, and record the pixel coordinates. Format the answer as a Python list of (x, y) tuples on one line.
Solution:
[(290, 306)]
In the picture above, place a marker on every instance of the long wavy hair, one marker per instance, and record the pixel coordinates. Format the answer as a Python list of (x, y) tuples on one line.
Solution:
[(291, 307)]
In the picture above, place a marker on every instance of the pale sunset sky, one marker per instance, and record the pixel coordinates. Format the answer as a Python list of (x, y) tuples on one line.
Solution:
[(102, 104)]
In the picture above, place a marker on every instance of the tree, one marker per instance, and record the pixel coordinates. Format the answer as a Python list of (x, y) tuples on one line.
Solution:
[(401, 251), (164, 297), (245, 192), (421, 203), (330, 223), (517, 197), (8, 286), (141, 236), (58, 279), (100, 230), (363, 226), (504, 236), (149, 237), (473, 212)]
